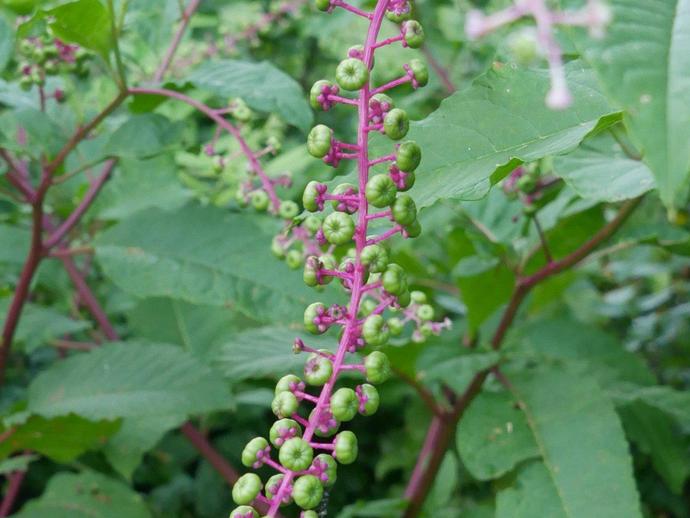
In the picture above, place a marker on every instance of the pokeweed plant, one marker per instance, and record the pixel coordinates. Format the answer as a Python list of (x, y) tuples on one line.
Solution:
[(309, 444)]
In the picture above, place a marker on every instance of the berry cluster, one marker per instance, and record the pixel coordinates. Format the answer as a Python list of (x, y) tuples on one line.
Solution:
[(46, 56), (310, 444), (526, 44)]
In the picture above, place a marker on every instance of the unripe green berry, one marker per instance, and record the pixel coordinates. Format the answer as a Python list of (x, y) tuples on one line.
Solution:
[(404, 210), (317, 370), (414, 33), (246, 488), (293, 259), (381, 191), (284, 383), (527, 183), (310, 195), (351, 74), (310, 314), (414, 229), (319, 140), (323, 5), (367, 306), (244, 511), (425, 312), (382, 99), (328, 433), (418, 297), (273, 486), (346, 447), (375, 330), (394, 279), (25, 83), (404, 298), (295, 454), (372, 399), (408, 156), (375, 258), (338, 228), (284, 404), (253, 447), (377, 367), (316, 91), (343, 189), (344, 404), (260, 200), (313, 265), (331, 469), (288, 209), (307, 492), (408, 182), (282, 427), (396, 123), (308, 514), (524, 45), (312, 224), (402, 16), (420, 71), (395, 326)]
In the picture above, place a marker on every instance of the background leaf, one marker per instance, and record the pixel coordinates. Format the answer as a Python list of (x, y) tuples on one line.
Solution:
[(86, 22)]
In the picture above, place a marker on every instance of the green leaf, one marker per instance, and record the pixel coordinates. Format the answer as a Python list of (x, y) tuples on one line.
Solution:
[(14, 244), (142, 184), (62, 438), (532, 494), (128, 380), (480, 134), (673, 402), (581, 442), (43, 134), (600, 171), (651, 39), (16, 463), (453, 367), (144, 136), (261, 85), (135, 437), (200, 255), (39, 325), (493, 436), (6, 43), (85, 495), (266, 353), (86, 22)]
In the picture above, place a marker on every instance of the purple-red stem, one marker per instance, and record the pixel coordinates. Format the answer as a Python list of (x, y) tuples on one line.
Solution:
[(170, 53), (15, 483)]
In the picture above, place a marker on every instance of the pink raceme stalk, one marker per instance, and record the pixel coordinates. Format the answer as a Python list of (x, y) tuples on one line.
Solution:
[(595, 16), (309, 444)]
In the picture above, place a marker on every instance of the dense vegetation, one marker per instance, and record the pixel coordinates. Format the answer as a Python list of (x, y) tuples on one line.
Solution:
[(224, 225)]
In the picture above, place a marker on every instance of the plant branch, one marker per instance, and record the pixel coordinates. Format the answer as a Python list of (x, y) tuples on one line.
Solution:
[(170, 53), (424, 393), (15, 483)]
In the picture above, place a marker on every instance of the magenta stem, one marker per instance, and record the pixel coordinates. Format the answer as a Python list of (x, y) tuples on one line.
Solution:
[(351, 8), (322, 446), (304, 395), (342, 100), (396, 229), (15, 484), (389, 41), (382, 214), (396, 82), (381, 159), (175, 43)]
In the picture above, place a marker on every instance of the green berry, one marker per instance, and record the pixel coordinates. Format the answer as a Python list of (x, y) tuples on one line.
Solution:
[(284, 383), (246, 488), (282, 427), (527, 183), (524, 45), (404, 298), (378, 367), (310, 195), (317, 370), (308, 514), (408, 182), (408, 156), (395, 326), (404, 210), (344, 404), (375, 258), (396, 123), (405, 14), (413, 33), (295, 454), (312, 311), (371, 399), (272, 487), (319, 140), (294, 259), (25, 83), (425, 312), (284, 404), (418, 297), (328, 433), (313, 265), (351, 74), (253, 447), (343, 189), (346, 447), (383, 100), (260, 200), (307, 492), (414, 229), (277, 248), (394, 279), (244, 511), (331, 469), (323, 5), (316, 91), (367, 306), (420, 71), (375, 330), (338, 228), (288, 209), (381, 191), (312, 224)]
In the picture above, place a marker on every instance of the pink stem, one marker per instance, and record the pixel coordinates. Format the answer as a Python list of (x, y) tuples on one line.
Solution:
[(396, 82), (396, 229), (389, 41), (351, 8), (377, 215), (15, 483), (343, 100), (381, 159)]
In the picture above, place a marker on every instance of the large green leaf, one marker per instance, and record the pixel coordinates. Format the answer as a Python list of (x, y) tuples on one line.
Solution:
[(204, 256), (86, 22), (580, 440), (674, 403), (480, 134), (85, 495), (61, 438), (144, 136), (14, 244), (128, 380), (600, 171), (493, 436), (532, 494), (261, 85), (643, 64)]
